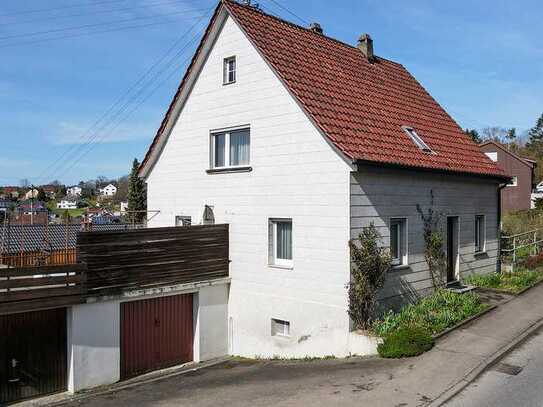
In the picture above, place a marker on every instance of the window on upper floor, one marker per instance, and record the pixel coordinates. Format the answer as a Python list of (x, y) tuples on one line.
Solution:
[(398, 241), (229, 70), (280, 242), (513, 182), (480, 233), (419, 142), (230, 149)]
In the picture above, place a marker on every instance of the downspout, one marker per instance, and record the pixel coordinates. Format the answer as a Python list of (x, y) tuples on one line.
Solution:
[(500, 187)]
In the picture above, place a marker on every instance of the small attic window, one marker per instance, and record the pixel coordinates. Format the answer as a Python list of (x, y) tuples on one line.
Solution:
[(419, 142)]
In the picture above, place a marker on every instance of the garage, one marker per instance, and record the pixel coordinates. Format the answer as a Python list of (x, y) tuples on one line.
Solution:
[(33, 353), (156, 333)]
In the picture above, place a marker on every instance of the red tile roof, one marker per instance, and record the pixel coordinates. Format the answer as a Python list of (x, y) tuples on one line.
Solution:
[(360, 106)]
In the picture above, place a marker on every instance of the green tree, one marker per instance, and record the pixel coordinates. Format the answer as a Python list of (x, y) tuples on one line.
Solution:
[(41, 195), (137, 194), (474, 134), (535, 141)]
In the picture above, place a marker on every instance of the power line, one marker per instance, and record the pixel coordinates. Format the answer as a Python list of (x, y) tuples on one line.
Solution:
[(42, 20), (75, 35), (43, 10), (91, 146), (56, 30), (95, 131), (290, 12)]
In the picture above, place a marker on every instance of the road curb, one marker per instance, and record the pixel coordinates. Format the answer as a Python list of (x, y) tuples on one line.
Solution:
[(479, 369)]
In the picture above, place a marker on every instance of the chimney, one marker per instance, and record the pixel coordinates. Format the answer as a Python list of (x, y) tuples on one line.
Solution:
[(365, 44), (315, 27)]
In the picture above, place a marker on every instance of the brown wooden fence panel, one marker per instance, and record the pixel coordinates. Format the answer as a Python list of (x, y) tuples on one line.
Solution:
[(31, 259), (140, 258), (41, 284)]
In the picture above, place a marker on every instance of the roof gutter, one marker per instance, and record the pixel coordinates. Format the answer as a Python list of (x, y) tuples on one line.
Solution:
[(503, 178)]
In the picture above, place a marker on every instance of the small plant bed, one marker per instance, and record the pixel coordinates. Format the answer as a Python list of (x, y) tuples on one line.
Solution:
[(405, 341), (433, 314), (514, 282)]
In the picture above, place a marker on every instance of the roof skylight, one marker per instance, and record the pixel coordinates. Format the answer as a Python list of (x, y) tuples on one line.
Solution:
[(419, 142)]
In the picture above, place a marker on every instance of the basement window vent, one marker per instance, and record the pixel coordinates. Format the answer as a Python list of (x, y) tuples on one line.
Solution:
[(419, 142), (280, 327)]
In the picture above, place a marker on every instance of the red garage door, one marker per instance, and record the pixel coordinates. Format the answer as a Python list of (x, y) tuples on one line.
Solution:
[(155, 333)]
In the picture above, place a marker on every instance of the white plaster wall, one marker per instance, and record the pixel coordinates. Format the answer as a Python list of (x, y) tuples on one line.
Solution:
[(94, 335), (211, 328), (296, 174)]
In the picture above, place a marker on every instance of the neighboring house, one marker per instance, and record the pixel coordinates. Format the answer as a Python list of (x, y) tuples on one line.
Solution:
[(5, 206), (108, 190), (298, 142), (539, 187), (74, 190), (29, 206), (50, 191), (67, 203), (124, 206), (517, 195), (9, 192), (31, 193)]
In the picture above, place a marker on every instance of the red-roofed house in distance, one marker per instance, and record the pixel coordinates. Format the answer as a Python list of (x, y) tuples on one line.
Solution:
[(517, 196), (299, 141)]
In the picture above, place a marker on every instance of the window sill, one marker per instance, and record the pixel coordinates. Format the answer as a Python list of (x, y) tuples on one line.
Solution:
[(400, 267), (228, 83), (279, 266), (228, 170), (483, 253), (282, 336)]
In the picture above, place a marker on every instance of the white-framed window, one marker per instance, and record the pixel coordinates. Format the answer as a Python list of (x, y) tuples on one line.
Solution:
[(229, 70), (493, 155), (280, 327), (419, 142), (183, 221), (230, 148), (480, 233), (398, 241), (280, 242), (513, 182)]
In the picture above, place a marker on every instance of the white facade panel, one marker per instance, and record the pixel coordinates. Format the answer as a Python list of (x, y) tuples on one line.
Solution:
[(295, 175)]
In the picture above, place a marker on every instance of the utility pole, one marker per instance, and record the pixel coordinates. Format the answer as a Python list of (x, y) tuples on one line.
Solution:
[(32, 204)]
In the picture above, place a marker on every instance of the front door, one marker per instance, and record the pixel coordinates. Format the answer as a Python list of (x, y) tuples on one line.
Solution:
[(452, 248)]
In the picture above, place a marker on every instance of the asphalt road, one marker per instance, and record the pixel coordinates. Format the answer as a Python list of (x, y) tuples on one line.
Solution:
[(516, 381)]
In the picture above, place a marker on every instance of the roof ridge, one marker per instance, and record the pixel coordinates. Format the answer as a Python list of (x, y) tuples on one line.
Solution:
[(300, 27)]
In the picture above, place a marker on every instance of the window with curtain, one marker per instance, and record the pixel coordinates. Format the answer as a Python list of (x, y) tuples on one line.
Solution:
[(281, 242), (230, 148)]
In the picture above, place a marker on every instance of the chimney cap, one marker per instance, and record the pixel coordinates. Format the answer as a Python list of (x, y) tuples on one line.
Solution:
[(365, 44), (316, 27)]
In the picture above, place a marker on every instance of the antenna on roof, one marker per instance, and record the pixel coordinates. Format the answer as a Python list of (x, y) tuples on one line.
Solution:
[(249, 3)]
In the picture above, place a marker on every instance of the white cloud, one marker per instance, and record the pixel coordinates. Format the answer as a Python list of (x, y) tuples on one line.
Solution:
[(75, 133)]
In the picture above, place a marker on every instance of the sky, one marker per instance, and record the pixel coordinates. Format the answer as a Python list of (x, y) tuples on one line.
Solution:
[(84, 84)]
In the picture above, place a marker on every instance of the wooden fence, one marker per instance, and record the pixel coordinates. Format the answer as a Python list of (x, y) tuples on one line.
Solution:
[(38, 258), (30, 287), (141, 258)]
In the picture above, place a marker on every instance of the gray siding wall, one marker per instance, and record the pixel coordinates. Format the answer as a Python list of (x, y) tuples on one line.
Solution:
[(379, 194)]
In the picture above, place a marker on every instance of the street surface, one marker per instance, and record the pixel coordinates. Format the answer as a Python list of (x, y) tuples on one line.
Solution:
[(517, 380)]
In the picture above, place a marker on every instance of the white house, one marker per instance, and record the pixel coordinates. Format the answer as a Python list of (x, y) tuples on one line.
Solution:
[(67, 203), (108, 190), (74, 190), (298, 141)]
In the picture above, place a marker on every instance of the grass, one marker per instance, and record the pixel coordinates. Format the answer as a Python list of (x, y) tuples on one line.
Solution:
[(73, 212), (435, 313), (406, 341), (510, 282)]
